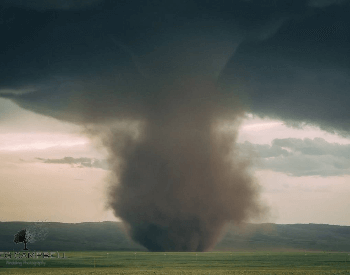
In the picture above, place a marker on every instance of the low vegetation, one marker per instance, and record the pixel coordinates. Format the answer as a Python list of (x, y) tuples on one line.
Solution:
[(104, 262)]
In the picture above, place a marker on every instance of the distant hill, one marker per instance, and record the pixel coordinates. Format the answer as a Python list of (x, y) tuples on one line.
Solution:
[(71, 237), (111, 236), (286, 237)]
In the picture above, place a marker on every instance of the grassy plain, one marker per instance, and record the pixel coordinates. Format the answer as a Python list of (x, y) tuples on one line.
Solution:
[(183, 263)]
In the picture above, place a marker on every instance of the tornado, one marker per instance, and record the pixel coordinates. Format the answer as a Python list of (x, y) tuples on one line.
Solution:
[(181, 180), (177, 177)]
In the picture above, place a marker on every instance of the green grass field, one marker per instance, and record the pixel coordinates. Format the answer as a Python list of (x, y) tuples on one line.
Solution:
[(182, 263)]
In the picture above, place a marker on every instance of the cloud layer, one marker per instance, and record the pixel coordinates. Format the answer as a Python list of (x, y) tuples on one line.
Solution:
[(303, 157), (286, 59), (78, 162), (301, 73)]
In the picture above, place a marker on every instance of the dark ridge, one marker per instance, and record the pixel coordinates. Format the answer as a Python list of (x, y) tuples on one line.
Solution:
[(110, 236)]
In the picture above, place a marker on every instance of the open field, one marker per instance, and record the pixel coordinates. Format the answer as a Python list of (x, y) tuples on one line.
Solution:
[(182, 263)]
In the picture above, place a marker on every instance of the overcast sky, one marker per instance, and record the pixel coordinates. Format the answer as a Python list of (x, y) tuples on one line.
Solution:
[(67, 65)]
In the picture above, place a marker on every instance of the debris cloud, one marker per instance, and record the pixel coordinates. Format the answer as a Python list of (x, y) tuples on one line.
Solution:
[(180, 181)]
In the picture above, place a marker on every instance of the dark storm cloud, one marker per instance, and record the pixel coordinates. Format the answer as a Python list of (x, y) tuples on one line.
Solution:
[(81, 162), (50, 4), (177, 70), (302, 73), (325, 3), (292, 60), (303, 157)]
